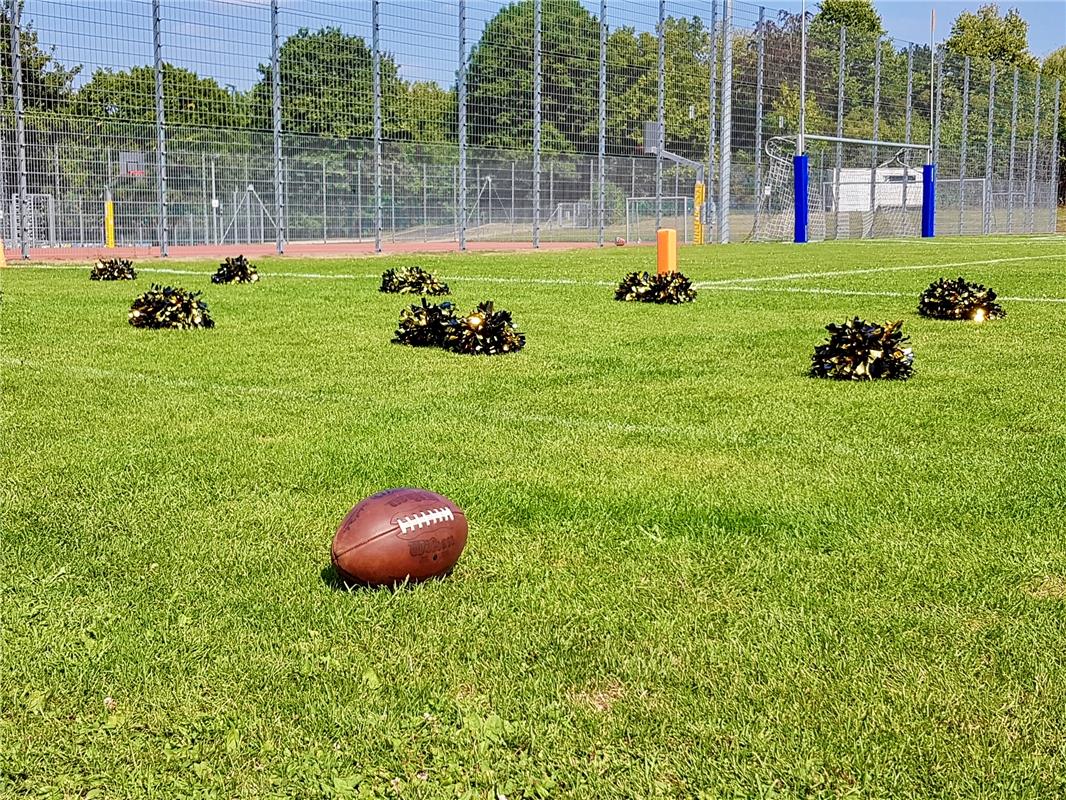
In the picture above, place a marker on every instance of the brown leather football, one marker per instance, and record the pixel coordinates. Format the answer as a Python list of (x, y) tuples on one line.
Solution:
[(397, 535)]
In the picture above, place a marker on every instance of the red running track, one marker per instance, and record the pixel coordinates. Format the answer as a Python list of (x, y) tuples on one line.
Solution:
[(296, 249)]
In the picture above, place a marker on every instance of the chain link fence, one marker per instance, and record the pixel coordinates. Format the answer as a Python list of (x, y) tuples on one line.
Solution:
[(166, 123)]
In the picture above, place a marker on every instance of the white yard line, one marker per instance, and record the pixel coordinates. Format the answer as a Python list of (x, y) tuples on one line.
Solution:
[(873, 270), (861, 293)]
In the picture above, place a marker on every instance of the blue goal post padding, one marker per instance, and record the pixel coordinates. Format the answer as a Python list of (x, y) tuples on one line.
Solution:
[(928, 200), (800, 179)]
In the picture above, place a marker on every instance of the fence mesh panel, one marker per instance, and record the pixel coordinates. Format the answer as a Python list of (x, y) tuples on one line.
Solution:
[(81, 161)]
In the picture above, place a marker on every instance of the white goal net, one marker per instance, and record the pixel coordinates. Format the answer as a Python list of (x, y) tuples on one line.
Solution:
[(845, 201)]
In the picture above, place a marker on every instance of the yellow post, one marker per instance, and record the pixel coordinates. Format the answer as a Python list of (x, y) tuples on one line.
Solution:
[(667, 250), (109, 223), (697, 222)]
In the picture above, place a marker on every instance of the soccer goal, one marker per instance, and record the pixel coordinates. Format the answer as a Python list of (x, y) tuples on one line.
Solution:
[(677, 213), (825, 193)]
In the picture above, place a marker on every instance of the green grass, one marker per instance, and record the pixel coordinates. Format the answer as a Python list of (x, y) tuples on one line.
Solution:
[(692, 570)]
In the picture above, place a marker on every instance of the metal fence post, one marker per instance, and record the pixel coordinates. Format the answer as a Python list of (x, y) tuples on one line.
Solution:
[(938, 69), (760, 60), (1013, 144), (275, 111), (375, 23), (1031, 193), (203, 197), (964, 139), (725, 147), (20, 125), (602, 144), (876, 131), (840, 128), (1053, 200), (907, 120), (986, 227), (712, 122), (536, 122), (660, 145), (461, 87), (160, 128)]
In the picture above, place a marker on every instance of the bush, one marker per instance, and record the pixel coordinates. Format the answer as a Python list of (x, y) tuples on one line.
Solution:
[(169, 307), (863, 351), (113, 269), (671, 288), (235, 270), (424, 325), (412, 280), (959, 299), (484, 331)]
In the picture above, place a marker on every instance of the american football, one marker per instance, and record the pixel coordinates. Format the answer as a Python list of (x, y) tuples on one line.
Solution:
[(397, 535)]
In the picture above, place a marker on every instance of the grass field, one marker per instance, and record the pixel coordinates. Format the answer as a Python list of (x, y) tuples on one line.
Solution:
[(693, 571)]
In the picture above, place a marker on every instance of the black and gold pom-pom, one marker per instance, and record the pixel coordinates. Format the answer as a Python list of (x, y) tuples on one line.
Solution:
[(113, 269), (424, 325), (169, 307), (235, 270), (412, 280), (959, 299), (670, 288), (484, 331), (858, 350)]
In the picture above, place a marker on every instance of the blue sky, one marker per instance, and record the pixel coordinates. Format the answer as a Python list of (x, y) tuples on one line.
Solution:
[(227, 39)]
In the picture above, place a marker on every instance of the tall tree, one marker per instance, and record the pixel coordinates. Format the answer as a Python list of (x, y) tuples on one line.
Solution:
[(500, 80), (327, 87), (985, 34)]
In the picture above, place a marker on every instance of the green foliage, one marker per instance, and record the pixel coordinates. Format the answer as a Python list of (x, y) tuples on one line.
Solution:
[(327, 88), (128, 96), (985, 34), (424, 325), (672, 288), (858, 16), (857, 350), (113, 269), (47, 85), (411, 280), (485, 331), (500, 79), (959, 299), (236, 270), (170, 307)]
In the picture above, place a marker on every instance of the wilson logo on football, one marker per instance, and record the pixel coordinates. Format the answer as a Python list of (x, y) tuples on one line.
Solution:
[(423, 519)]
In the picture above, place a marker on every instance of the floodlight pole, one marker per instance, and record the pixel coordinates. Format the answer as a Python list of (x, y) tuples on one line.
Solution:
[(160, 128), (20, 124), (275, 81)]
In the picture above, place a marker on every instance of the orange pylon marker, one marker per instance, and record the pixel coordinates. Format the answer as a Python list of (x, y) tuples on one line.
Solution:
[(667, 250)]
